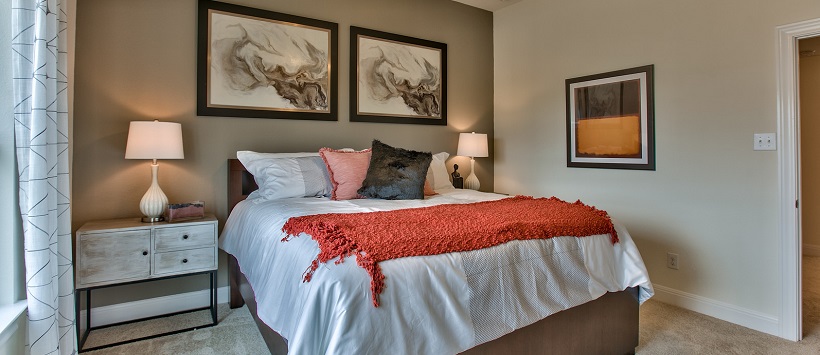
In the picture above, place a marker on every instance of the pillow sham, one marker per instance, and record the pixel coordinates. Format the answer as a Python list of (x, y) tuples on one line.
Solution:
[(437, 174), (347, 170), (286, 175), (428, 190), (395, 173), (251, 155)]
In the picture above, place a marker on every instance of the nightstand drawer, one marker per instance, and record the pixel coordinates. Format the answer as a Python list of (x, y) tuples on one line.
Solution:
[(184, 260), (184, 237), (113, 257)]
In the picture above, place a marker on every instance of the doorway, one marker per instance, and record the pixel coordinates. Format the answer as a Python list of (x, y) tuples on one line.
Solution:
[(789, 174), (809, 149)]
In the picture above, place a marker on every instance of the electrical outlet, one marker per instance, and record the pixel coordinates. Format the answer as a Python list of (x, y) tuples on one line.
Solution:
[(765, 141), (672, 260)]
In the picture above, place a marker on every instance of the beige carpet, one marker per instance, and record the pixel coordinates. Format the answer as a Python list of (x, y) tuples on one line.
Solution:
[(236, 333), (665, 330)]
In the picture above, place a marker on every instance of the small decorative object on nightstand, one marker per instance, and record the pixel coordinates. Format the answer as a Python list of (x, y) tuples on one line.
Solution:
[(154, 140), (458, 181), (473, 145), (177, 212), (125, 251)]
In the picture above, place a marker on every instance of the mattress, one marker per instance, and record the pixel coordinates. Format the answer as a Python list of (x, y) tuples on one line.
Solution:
[(440, 304)]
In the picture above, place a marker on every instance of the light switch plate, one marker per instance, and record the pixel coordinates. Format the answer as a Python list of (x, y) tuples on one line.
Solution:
[(765, 141)]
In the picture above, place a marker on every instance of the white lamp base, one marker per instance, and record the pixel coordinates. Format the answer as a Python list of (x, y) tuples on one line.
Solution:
[(154, 201), (471, 182)]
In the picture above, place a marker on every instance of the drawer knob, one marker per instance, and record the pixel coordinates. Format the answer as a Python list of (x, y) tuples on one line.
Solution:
[(184, 261), (185, 236), (144, 253)]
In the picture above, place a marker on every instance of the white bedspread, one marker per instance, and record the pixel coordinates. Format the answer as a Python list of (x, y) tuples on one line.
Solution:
[(441, 304)]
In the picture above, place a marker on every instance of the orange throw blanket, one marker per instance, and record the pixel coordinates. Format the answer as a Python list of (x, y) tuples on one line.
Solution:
[(378, 236)]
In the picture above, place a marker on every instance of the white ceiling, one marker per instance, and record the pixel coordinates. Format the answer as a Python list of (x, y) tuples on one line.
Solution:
[(489, 5)]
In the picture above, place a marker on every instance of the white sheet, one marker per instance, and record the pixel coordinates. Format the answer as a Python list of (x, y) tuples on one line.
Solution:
[(441, 304)]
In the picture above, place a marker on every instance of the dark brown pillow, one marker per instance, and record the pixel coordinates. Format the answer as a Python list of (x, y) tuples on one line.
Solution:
[(395, 173)]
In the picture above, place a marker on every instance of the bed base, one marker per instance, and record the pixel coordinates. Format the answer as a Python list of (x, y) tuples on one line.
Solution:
[(608, 325)]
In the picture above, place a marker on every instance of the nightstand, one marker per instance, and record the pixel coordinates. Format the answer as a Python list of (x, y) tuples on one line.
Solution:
[(118, 252)]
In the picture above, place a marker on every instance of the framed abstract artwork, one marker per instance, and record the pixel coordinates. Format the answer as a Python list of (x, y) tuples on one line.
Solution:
[(264, 64), (397, 79), (611, 120)]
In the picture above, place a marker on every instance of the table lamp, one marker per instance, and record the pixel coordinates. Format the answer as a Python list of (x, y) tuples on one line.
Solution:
[(154, 140), (473, 145)]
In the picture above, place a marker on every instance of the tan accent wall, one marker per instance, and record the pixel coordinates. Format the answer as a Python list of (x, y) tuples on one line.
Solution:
[(713, 200), (136, 60)]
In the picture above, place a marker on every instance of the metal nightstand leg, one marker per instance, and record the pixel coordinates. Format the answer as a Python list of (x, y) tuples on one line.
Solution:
[(83, 336), (213, 297)]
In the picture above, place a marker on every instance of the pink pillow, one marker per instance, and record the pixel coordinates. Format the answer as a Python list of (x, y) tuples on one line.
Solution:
[(428, 190), (347, 171)]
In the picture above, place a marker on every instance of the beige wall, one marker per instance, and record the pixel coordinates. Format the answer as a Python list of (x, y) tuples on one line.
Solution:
[(713, 200), (136, 60), (810, 143)]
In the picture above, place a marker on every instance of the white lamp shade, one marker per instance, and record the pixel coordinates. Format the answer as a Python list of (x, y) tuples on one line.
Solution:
[(472, 145), (154, 140)]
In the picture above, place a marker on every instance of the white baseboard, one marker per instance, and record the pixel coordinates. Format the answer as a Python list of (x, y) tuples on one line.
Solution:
[(161, 305), (151, 307), (811, 249), (748, 318)]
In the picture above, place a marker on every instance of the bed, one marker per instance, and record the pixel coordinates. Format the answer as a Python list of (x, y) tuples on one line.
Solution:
[(607, 323)]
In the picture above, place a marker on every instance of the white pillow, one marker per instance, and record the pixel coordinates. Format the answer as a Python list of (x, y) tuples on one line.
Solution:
[(251, 155), (437, 173), (286, 175)]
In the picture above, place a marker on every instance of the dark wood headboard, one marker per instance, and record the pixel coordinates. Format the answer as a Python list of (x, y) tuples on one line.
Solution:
[(240, 183)]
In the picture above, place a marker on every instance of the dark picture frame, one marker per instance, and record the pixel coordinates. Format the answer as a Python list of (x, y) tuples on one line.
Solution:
[(611, 120), (397, 79), (264, 64)]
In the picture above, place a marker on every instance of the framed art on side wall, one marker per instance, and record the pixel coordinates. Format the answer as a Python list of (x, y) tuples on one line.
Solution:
[(265, 64), (397, 79), (611, 120)]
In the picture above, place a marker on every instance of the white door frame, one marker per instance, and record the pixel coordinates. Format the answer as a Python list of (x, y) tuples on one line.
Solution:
[(788, 126)]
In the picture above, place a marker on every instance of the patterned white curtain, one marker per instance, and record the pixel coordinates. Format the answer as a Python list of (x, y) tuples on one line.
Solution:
[(41, 136)]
